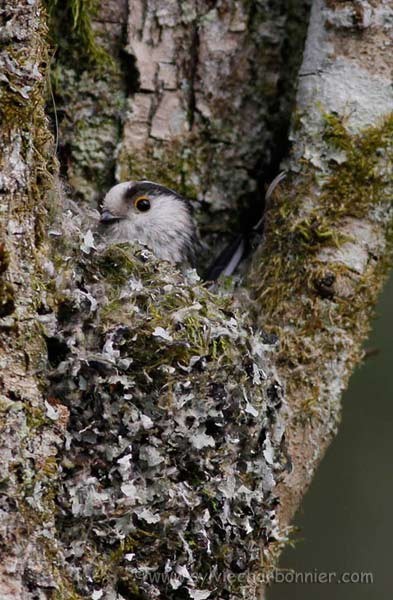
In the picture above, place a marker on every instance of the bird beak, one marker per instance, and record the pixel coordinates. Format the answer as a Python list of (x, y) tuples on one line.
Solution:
[(107, 217)]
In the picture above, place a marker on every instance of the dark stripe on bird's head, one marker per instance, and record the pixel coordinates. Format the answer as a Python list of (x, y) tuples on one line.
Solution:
[(150, 188)]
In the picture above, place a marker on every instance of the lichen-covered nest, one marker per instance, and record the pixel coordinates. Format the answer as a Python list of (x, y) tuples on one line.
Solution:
[(169, 471)]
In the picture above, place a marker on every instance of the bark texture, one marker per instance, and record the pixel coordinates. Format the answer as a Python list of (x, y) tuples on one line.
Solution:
[(188, 430), (90, 76), (205, 117), (181, 75), (30, 557), (328, 235)]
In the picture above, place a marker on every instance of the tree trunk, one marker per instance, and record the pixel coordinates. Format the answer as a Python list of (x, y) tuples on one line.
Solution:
[(328, 234), (31, 557), (156, 437)]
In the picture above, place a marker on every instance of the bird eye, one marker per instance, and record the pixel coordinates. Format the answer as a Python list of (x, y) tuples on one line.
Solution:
[(142, 204)]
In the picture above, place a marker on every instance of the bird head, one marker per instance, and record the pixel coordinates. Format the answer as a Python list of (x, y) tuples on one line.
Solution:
[(153, 215)]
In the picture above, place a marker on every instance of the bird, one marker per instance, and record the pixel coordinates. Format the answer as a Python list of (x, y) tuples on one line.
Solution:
[(153, 215), (161, 219)]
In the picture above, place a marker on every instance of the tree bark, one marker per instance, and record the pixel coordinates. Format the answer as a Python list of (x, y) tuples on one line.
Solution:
[(327, 262), (30, 555), (157, 438)]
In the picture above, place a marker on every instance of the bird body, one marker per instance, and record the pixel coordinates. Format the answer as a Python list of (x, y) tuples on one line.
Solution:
[(153, 215), (161, 219)]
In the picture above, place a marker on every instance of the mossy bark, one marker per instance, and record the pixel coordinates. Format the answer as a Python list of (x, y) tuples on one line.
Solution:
[(328, 244), (211, 111), (90, 76), (167, 431), (31, 558), (197, 96)]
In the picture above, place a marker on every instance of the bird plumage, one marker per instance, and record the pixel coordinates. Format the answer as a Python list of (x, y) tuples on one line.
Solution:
[(161, 219), (153, 215)]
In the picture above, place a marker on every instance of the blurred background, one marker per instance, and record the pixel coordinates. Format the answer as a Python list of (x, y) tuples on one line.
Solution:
[(346, 520)]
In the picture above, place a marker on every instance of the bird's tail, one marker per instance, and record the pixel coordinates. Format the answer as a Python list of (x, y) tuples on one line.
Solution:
[(228, 260)]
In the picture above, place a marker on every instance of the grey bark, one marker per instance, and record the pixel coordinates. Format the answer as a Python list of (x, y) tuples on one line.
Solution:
[(343, 184), (30, 555), (157, 438)]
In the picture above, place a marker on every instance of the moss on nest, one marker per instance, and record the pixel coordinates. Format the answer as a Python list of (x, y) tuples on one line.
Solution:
[(157, 304), (161, 366)]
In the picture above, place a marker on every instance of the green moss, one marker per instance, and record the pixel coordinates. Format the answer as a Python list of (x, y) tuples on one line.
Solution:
[(125, 546), (335, 133), (35, 417), (173, 164), (357, 182), (86, 65), (302, 298), (72, 31), (116, 265), (65, 589), (111, 567)]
